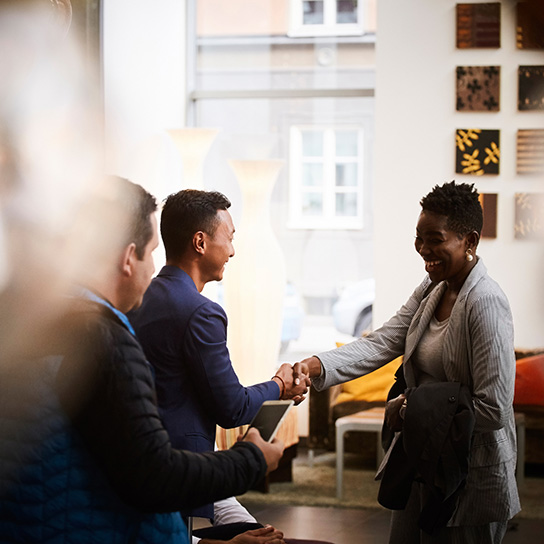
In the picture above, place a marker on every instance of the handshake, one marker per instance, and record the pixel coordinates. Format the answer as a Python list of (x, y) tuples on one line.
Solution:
[(295, 380)]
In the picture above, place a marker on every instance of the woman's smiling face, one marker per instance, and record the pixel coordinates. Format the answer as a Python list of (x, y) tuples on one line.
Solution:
[(443, 250)]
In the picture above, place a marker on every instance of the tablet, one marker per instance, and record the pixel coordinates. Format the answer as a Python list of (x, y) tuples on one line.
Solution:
[(269, 417)]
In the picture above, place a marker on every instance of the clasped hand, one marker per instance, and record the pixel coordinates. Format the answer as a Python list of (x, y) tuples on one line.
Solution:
[(293, 386)]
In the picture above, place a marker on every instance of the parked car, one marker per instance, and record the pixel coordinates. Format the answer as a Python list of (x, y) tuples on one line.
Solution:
[(352, 312)]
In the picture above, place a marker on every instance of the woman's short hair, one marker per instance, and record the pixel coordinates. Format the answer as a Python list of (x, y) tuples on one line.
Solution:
[(460, 203)]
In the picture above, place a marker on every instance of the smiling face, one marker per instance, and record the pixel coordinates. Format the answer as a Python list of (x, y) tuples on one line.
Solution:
[(443, 250), (219, 248)]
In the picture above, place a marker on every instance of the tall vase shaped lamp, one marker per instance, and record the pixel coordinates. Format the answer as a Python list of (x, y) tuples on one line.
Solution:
[(255, 277), (193, 145)]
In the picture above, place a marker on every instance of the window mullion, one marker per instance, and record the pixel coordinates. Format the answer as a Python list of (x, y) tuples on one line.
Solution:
[(330, 175), (330, 12)]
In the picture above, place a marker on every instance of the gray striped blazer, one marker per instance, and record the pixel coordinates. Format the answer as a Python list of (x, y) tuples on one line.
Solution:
[(478, 351)]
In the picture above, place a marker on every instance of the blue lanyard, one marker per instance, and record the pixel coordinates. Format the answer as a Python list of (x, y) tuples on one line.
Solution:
[(86, 293)]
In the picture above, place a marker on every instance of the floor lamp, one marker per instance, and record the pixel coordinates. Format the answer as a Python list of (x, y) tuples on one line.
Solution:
[(193, 145), (255, 278)]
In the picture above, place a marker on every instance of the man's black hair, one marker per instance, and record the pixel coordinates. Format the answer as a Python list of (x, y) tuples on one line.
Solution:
[(186, 212)]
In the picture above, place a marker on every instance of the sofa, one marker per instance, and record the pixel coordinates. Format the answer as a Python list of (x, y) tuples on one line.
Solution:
[(325, 407)]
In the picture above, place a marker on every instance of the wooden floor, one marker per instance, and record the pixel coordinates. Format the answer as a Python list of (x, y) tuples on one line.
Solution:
[(357, 526), (365, 526)]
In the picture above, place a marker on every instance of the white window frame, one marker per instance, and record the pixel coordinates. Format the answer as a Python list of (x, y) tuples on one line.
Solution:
[(328, 219), (297, 29)]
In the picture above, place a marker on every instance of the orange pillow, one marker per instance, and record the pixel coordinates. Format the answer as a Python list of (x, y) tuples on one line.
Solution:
[(529, 387), (372, 387)]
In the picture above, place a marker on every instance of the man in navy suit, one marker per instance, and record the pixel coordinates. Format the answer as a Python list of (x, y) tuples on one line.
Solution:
[(184, 334)]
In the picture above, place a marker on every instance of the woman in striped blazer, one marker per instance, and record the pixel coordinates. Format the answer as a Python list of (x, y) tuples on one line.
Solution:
[(456, 327)]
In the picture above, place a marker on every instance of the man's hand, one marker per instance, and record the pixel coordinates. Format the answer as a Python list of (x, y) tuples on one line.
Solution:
[(289, 389), (272, 451), (266, 535), (394, 413)]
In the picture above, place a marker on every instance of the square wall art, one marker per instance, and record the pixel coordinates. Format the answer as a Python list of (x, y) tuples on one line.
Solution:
[(530, 152), (489, 208), (529, 24), (531, 88), (477, 151), (478, 88), (479, 25), (529, 216)]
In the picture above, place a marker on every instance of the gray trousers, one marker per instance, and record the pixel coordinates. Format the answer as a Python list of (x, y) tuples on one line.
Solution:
[(404, 528)]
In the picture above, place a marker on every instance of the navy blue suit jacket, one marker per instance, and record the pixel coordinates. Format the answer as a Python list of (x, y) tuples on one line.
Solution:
[(184, 336)]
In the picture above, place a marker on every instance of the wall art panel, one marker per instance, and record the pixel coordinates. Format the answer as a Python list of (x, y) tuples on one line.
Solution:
[(531, 88), (489, 208), (478, 88), (477, 151), (530, 152), (530, 24), (479, 25), (529, 216)]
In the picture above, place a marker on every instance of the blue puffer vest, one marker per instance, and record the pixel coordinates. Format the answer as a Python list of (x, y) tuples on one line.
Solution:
[(51, 489)]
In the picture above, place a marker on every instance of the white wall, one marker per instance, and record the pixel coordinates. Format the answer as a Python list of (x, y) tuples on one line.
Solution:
[(144, 86), (415, 149)]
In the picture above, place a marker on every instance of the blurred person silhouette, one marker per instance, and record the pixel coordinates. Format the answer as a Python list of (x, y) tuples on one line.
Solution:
[(449, 473), (83, 453), (49, 155)]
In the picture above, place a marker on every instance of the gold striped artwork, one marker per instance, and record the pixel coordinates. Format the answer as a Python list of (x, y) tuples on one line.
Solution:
[(530, 152)]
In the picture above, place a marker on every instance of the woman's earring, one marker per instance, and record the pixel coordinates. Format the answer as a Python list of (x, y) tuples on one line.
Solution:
[(469, 256)]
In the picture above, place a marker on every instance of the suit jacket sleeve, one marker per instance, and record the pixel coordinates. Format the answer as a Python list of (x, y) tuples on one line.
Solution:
[(205, 345), (489, 323)]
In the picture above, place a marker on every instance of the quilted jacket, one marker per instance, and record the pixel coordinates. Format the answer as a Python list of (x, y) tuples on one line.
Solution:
[(83, 453)]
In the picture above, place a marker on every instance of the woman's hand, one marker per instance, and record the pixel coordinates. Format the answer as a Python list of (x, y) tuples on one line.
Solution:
[(394, 413)]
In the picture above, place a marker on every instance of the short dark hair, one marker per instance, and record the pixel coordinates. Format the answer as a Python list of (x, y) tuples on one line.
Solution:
[(459, 202), (186, 212), (138, 205)]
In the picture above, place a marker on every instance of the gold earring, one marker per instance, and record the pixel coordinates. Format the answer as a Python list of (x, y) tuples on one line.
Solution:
[(469, 256)]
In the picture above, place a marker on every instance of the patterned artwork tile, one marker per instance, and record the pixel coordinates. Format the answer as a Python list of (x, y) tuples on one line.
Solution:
[(529, 24), (478, 88), (488, 202), (529, 216), (530, 152), (479, 25), (531, 88), (477, 151)]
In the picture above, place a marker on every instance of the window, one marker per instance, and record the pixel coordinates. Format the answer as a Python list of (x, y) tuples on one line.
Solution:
[(326, 18), (326, 178)]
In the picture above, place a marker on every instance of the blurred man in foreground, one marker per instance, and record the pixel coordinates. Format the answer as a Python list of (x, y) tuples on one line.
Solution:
[(83, 452)]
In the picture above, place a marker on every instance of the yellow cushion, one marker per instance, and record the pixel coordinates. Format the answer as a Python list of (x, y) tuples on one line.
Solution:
[(372, 387)]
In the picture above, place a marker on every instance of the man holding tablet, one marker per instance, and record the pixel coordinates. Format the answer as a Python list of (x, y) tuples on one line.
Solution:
[(184, 333)]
